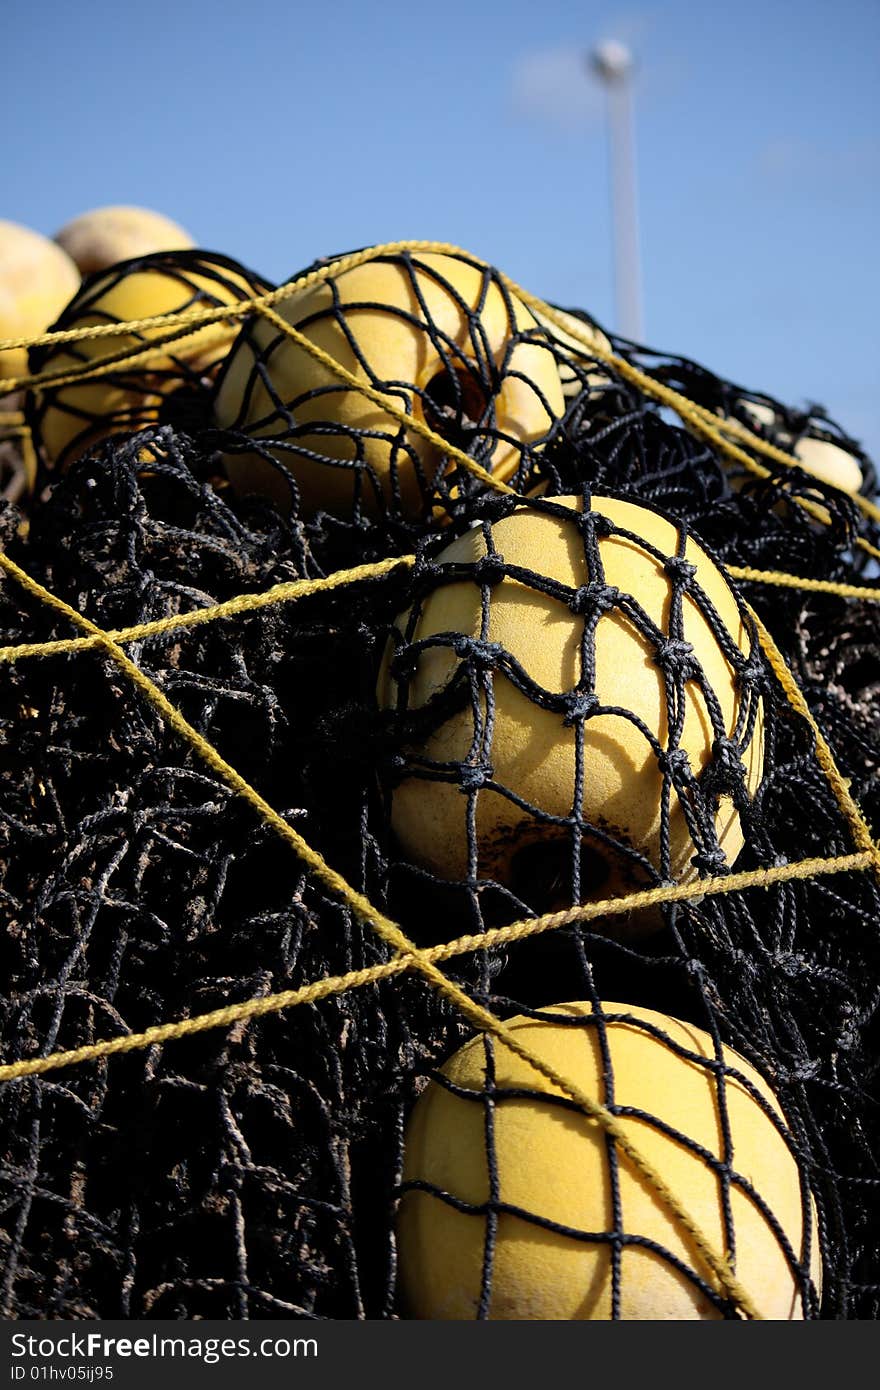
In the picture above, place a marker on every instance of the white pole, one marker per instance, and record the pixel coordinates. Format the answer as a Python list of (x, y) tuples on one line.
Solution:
[(613, 63)]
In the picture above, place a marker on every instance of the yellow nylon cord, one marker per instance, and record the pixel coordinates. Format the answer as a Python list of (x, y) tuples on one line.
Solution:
[(797, 581), (447, 950), (302, 588), (702, 421), (861, 832), (103, 366), (244, 603), (741, 432), (392, 935), (199, 317)]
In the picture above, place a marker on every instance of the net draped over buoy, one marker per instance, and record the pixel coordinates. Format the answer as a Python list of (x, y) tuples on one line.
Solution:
[(235, 968)]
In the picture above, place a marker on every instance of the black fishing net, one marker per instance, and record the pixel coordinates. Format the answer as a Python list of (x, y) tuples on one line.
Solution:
[(256, 1171)]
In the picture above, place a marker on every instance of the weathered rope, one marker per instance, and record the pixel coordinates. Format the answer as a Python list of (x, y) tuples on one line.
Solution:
[(231, 608), (492, 937)]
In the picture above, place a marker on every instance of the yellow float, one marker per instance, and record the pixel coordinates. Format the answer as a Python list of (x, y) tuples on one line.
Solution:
[(438, 335), (37, 278), (104, 236), (553, 1166), (531, 750), (575, 338), (68, 419)]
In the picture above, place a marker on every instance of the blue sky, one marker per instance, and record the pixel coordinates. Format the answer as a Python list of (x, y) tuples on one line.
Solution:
[(281, 132)]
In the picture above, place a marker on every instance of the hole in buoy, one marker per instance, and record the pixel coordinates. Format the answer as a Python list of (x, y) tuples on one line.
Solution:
[(541, 873), (454, 403)]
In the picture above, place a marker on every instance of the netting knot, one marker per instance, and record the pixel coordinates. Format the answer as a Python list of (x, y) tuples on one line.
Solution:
[(594, 599), (753, 675), (484, 655), (490, 569), (426, 574), (595, 524), (791, 965), (680, 570), (580, 704), (727, 759), (404, 664), (472, 776), (676, 658), (711, 861), (675, 764)]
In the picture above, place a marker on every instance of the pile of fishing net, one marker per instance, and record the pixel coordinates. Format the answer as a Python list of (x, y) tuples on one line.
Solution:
[(399, 674)]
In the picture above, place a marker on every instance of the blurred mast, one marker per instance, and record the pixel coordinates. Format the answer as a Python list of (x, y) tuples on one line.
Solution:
[(612, 62)]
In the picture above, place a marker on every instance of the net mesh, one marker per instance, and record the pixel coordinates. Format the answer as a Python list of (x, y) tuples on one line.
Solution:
[(255, 1171)]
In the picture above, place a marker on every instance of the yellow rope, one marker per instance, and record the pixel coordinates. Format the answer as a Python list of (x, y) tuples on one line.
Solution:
[(302, 588), (797, 581), (463, 945), (861, 832), (198, 318), (763, 446), (700, 420), (98, 638), (135, 356), (244, 603), (391, 933)]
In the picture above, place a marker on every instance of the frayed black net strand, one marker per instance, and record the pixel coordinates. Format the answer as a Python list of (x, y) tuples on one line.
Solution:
[(256, 1171)]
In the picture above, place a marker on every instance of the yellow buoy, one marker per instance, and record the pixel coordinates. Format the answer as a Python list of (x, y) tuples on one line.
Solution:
[(819, 457), (436, 333), (104, 236), (631, 714), (574, 339), (829, 463), (553, 1165), (69, 419), (37, 278)]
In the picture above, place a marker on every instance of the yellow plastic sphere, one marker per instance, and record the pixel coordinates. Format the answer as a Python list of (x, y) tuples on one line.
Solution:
[(553, 1163), (760, 412), (532, 750), (829, 463), (403, 327), (576, 352), (37, 279), (69, 419), (105, 236), (824, 460)]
